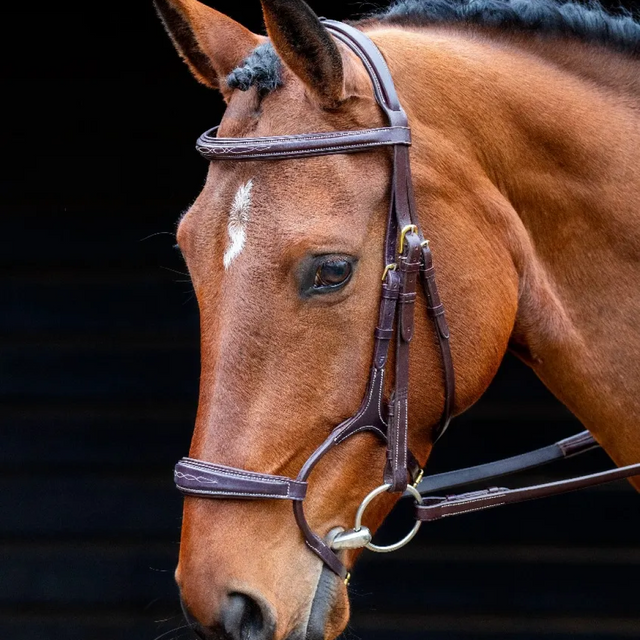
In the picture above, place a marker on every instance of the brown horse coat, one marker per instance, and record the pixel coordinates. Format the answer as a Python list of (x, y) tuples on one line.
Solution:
[(526, 161)]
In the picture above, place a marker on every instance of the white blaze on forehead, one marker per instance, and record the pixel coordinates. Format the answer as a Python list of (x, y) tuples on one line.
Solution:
[(238, 219)]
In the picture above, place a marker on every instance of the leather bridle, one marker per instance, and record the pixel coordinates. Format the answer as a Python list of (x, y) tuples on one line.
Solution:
[(408, 260)]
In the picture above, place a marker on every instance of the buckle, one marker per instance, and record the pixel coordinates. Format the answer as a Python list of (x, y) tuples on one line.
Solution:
[(410, 228), (390, 267)]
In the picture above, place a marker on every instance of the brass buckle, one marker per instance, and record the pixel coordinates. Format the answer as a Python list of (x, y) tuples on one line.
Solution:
[(390, 267), (418, 480), (410, 228)]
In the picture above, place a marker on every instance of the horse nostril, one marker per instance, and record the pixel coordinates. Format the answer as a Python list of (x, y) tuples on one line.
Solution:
[(243, 618)]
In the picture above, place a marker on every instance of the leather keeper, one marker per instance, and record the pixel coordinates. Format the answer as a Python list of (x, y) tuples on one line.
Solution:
[(407, 298), (427, 260), (409, 265), (383, 334), (443, 327), (384, 331), (406, 313), (429, 273), (577, 444)]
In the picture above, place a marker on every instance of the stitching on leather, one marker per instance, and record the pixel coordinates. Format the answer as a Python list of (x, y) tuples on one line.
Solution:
[(368, 427), (320, 552), (222, 491), (314, 547), (487, 506), (249, 146), (364, 409), (364, 58), (291, 153), (397, 445), (302, 136), (257, 477), (209, 492), (482, 498), (188, 476), (338, 438), (380, 399), (206, 151), (406, 430), (398, 454), (230, 472)]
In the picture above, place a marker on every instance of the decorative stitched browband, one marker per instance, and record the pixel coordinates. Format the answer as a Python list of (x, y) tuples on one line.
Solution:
[(408, 260), (299, 146)]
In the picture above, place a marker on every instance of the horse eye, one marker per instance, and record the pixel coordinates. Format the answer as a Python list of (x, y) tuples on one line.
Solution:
[(332, 274)]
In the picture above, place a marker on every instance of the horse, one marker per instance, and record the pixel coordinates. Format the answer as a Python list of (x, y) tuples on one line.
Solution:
[(525, 121)]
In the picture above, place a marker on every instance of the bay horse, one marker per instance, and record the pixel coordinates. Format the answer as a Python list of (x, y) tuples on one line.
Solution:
[(525, 119)]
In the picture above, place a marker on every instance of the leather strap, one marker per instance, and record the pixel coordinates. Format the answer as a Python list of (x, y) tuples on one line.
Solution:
[(403, 195), (409, 267), (305, 145), (198, 478), (436, 508), (435, 310), (564, 449), (376, 66)]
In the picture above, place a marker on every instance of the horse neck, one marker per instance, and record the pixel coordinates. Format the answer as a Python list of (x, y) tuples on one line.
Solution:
[(549, 149)]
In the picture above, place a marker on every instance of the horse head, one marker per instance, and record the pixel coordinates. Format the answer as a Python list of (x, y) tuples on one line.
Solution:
[(286, 260)]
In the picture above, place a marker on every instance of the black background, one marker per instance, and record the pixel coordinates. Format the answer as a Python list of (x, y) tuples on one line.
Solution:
[(99, 374)]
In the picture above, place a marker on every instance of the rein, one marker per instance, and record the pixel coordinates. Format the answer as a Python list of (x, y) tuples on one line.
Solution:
[(408, 260)]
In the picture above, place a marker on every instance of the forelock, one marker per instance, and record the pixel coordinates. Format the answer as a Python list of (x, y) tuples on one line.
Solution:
[(262, 69)]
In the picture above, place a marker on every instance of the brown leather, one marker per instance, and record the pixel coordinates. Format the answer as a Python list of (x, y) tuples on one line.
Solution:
[(195, 477), (409, 267), (384, 331), (435, 309), (405, 266), (304, 145), (436, 508), (575, 445)]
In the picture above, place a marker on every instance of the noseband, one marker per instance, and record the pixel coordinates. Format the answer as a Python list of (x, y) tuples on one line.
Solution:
[(408, 260)]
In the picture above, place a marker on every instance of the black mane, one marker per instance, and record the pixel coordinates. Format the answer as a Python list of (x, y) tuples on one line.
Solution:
[(587, 21)]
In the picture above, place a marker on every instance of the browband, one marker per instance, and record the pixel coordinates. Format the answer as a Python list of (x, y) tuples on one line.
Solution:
[(304, 145)]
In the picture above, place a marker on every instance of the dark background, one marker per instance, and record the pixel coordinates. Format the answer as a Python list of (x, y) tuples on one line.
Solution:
[(99, 376)]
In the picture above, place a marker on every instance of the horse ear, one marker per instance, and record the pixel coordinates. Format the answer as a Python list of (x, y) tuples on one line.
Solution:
[(212, 44), (306, 47)]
